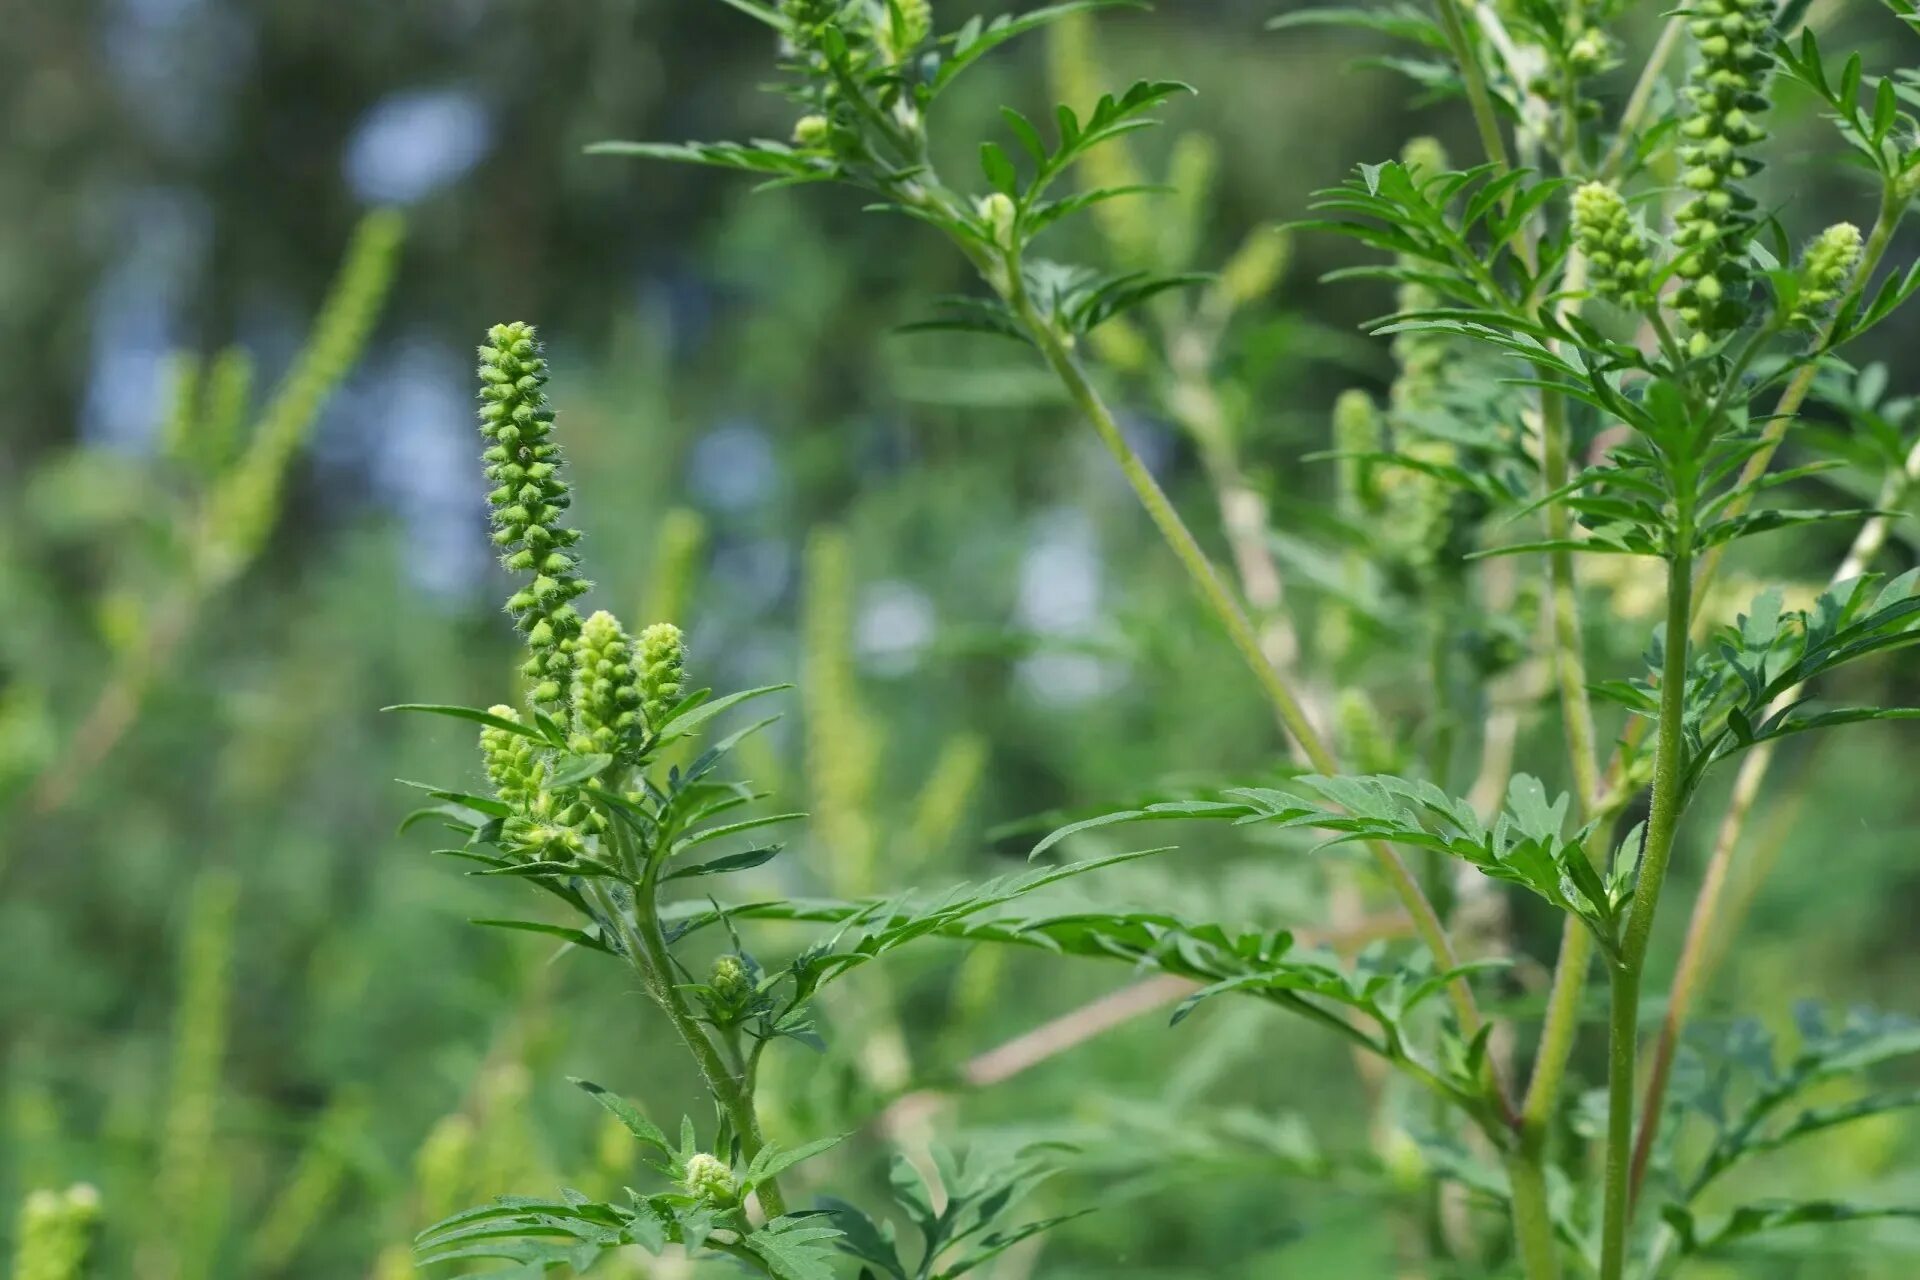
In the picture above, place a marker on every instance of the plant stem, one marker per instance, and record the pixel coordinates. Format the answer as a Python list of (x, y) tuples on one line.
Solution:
[(1641, 97), (1532, 1221), (1662, 823), (1226, 609), (646, 947), (1479, 99), (1694, 965)]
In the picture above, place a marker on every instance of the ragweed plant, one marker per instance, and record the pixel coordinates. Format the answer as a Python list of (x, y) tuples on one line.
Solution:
[(596, 796), (1600, 284)]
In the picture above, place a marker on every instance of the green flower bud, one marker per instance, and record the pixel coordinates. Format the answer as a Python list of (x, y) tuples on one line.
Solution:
[(1826, 269), (528, 498), (663, 661), (1590, 52), (606, 697), (708, 1178), (512, 764), (998, 212), (55, 1233), (1616, 248), (729, 979), (1364, 741), (1723, 92), (1356, 429), (915, 24), (1421, 354), (812, 132), (1424, 158)]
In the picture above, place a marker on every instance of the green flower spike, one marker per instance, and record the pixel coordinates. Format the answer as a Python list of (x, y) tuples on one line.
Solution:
[(528, 501), (548, 825), (1825, 271), (663, 662), (1357, 430), (55, 1235), (1725, 92), (606, 698), (915, 24), (1616, 248), (512, 763), (1421, 353), (708, 1178)]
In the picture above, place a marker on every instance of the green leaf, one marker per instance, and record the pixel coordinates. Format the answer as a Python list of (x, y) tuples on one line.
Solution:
[(685, 722), (774, 1160), (476, 716), (796, 1248), (627, 1114), (577, 937), (743, 861)]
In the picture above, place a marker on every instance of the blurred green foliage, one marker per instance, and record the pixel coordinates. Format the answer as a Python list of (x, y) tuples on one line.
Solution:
[(255, 1019)]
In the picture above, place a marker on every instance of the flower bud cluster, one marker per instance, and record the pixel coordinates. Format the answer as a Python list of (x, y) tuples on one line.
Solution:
[(606, 695), (1614, 245), (1825, 272), (1421, 354), (662, 670), (55, 1233), (547, 824), (529, 499), (708, 1178), (1725, 93)]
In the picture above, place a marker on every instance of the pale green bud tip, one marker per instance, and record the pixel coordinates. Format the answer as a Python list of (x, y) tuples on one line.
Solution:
[(1616, 250), (710, 1179), (729, 977), (663, 661), (606, 695), (1424, 157), (1825, 271), (1356, 423), (998, 213), (811, 131)]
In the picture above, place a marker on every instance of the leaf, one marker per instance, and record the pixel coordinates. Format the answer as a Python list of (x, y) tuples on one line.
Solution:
[(627, 1114), (1163, 811), (476, 716), (975, 40), (577, 937), (745, 860), (774, 1160), (796, 1248), (684, 722)]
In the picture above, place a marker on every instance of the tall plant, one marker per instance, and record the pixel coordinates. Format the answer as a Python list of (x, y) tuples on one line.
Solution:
[(1601, 285)]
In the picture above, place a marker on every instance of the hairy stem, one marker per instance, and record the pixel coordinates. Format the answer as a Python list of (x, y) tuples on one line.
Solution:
[(1662, 823)]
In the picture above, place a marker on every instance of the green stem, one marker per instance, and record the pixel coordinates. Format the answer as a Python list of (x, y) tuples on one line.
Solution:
[(1532, 1220), (1694, 967), (1664, 820), (646, 947), (1226, 609), (1485, 120), (1641, 97)]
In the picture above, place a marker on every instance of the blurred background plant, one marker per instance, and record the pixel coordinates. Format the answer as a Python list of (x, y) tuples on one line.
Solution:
[(255, 1020)]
